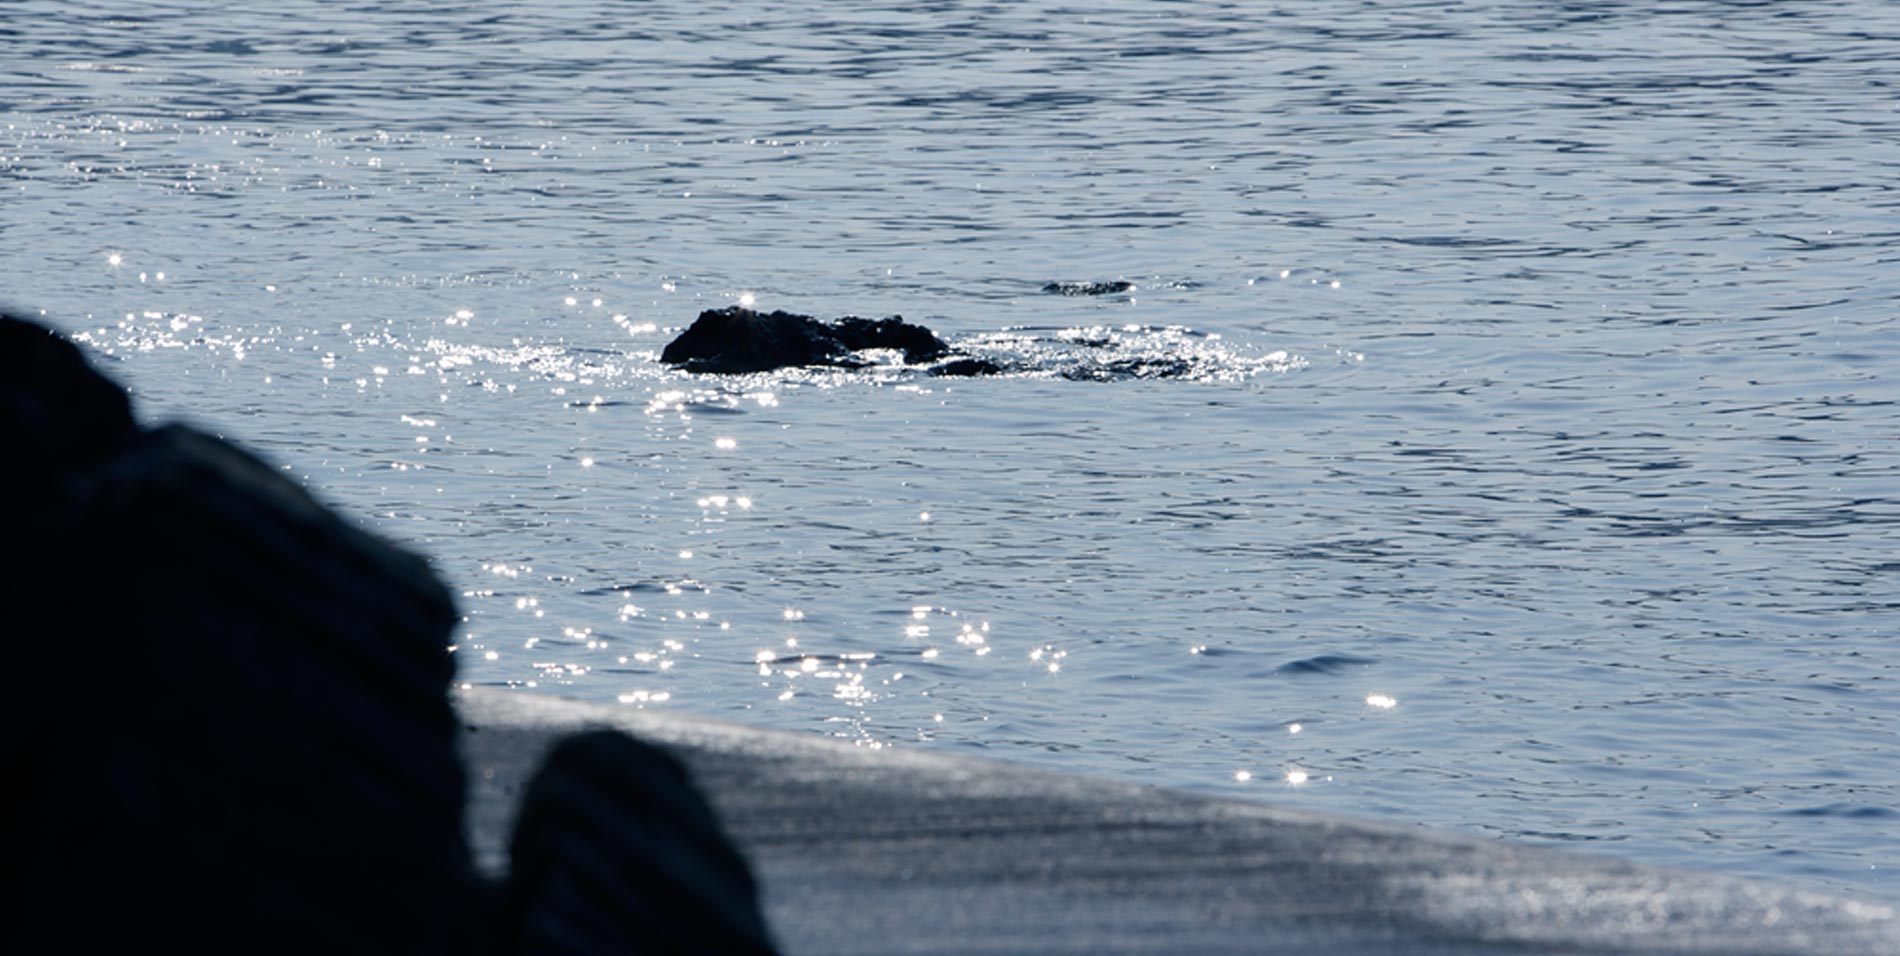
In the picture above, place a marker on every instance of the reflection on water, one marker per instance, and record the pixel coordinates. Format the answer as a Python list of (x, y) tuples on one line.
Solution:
[(1476, 416)]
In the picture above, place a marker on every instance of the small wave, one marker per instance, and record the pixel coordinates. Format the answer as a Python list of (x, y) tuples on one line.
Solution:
[(1325, 664), (1111, 354), (642, 587), (1845, 811)]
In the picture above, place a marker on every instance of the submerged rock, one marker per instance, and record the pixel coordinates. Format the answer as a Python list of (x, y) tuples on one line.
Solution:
[(230, 728), (737, 339), (967, 368), (1116, 287)]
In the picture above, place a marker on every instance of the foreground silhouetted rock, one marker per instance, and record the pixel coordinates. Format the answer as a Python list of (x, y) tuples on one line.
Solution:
[(610, 819), (737, 339), (230, 725)]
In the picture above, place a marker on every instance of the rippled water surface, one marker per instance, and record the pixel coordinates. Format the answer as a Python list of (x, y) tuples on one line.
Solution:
[(1532, 469)]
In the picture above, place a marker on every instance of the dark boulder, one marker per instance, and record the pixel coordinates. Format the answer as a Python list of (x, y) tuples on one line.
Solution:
[(967, 368), (230, 727), (916, 342), (256, 733), (56, 412), (736, 339), (608, 818)]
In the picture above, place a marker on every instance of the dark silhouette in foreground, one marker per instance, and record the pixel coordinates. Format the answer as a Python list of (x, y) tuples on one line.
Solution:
[(611, 819), (230, 725)]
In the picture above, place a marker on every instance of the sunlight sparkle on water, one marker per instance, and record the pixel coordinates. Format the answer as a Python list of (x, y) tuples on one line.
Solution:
[(1049, 656), (1381, 701), (1296, 776)]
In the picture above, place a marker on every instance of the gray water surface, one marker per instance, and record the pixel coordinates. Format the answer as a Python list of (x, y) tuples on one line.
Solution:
[(1536, 474)]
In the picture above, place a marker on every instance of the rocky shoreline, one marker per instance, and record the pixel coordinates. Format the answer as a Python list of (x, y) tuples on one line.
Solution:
[(862, 851), (266, 753)]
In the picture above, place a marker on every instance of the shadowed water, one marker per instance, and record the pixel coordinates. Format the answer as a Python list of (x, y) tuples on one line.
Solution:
[(1536, 474)]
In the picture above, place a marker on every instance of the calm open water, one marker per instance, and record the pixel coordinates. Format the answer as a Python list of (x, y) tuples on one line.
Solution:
[(1571, 513)]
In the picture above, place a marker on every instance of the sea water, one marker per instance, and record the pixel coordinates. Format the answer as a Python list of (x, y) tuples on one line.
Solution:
[(1533, 469)]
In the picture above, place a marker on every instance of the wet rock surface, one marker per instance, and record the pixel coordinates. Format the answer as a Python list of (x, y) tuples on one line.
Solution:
[(737, 339), (260, 750)]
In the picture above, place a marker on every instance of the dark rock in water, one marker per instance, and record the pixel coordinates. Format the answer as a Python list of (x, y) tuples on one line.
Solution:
[(255, 747), (1119, 370), (1116, 287), (967, 368), (916, 342), (736, 339), (609, 818)]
